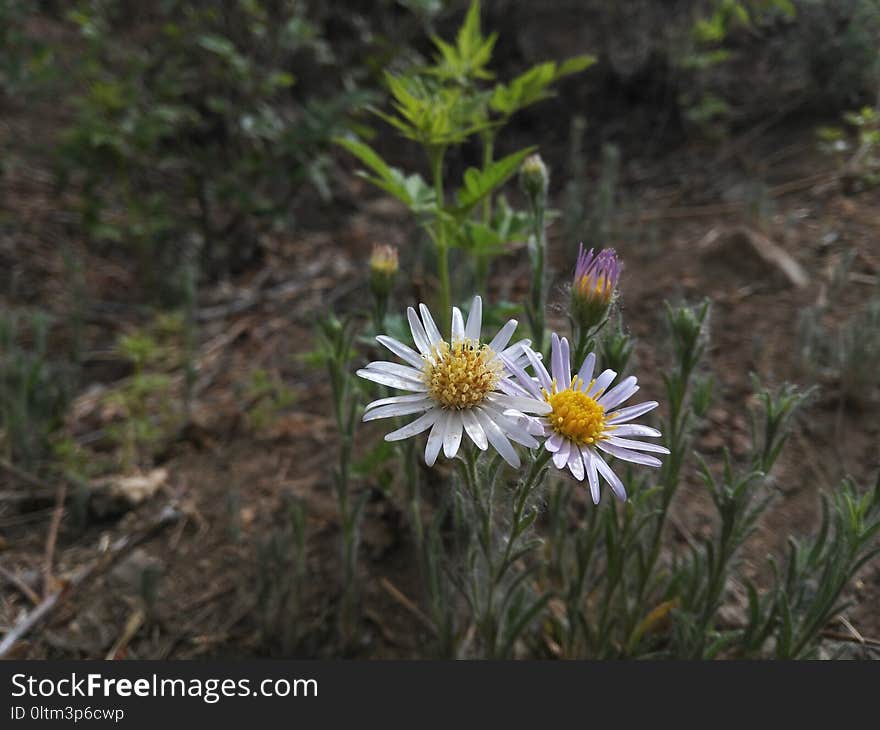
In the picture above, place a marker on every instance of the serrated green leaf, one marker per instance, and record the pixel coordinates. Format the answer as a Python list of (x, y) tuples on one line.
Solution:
[(412, 190), (367, 155), (534, 85), (478, 184), (574, 65)]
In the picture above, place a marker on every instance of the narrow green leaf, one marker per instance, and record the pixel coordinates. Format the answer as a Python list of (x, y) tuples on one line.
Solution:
[(480, 183)]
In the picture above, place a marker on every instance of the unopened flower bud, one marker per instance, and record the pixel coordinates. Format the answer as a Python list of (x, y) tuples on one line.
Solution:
[(533, 177), (383, 269), (594, 286)]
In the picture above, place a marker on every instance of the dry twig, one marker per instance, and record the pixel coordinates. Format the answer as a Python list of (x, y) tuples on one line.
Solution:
[(52, 538)]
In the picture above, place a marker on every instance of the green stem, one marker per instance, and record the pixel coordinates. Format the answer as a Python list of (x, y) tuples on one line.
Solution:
[(671, 468), (537, 295), (481, 260), (436, 155), (519, 504), (488, 154)]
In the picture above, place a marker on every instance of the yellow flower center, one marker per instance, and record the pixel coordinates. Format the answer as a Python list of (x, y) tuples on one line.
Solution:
[(575, 415), (598, 287), (462, 374)]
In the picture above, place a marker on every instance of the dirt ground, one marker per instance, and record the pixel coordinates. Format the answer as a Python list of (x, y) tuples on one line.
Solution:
[(683, 230)]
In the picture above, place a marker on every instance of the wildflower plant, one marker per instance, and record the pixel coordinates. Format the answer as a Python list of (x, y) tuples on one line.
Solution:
[(515, 560)]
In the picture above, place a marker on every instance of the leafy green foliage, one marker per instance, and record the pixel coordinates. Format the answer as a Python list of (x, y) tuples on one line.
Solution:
[(469, 58), (442, 105), (705, 49), (477, 184), (430, 114), (807, 594), (534, 85), (411, 190), (144, 403), (616, 600), (192, 129)]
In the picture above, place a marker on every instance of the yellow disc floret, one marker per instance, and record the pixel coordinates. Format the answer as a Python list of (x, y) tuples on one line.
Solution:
[(462, 374), (595, 286), (575, 415)]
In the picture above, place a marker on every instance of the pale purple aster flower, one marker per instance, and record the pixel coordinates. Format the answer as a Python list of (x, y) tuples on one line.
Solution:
[(586, 417), (459, 385)]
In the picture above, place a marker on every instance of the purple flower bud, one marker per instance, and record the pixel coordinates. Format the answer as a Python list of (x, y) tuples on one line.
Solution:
[(595, 283)]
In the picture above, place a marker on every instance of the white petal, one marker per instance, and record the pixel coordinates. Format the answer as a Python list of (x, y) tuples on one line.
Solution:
[(576, 463), (511, 387), (430, 326), (520, 427), (554, 443), (565, 354), (392, 381), (536, 426), (414, 398), (403, 371), (558, 368), (398, 409), (474, 320), (629, 429), (497, 438), (540, 371), (517, 349), (592, 474), (435, 438), (522, 376), (630, 412), (518, 353), (560, 458), (474, 429), (457, 325), (511, 425), (499, 342), (602, 382), (634, 456), (422, 423), (420, 337), (452, 437), (610, 477), (636, 445), (402, 351), (526, 405), (619, 393), (586, 372)]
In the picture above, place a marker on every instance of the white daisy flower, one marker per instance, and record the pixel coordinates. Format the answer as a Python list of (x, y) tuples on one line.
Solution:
[(457, 385), (586, 417)]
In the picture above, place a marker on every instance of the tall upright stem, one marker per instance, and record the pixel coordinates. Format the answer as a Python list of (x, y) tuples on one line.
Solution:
[(436, 155), (481, 260), (537, 295)]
